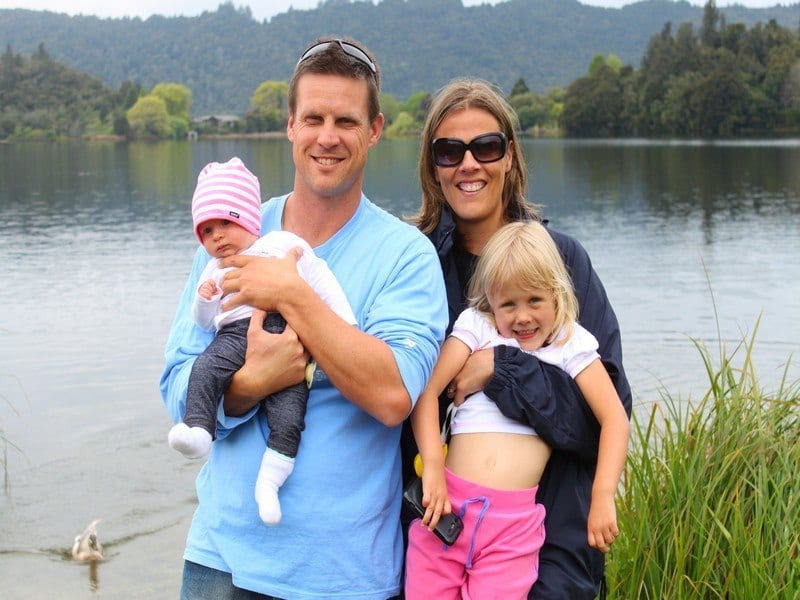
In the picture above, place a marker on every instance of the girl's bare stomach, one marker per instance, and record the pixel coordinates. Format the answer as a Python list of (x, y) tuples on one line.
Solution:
[(505, 461)]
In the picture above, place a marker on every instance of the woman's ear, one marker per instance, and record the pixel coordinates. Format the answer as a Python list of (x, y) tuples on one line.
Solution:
[(509, 156)]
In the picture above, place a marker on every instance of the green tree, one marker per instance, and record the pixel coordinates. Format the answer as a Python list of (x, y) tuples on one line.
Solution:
[(598, 61), (713, 24), (614, 63), (270, 95), (177, 100), (40, 97), (611, 61), (176, 97), (790, 97), (10, 72), (687, 55), (719, 103), (404, 124), (658, 66), (269, 108), (149, 117), (390, 107), (676, 114), (129, 93), (519, 88), (595, 105), (417, 105), (534, 109)]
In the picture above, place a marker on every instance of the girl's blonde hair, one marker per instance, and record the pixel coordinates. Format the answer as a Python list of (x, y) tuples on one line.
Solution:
[(461, 94), (523, 253)]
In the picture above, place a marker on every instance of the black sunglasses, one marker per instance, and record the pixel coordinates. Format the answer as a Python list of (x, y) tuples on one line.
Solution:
[(486, 148), (347, 48)]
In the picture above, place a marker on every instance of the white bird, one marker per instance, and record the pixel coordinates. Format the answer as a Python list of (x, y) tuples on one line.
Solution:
[(86, 545)]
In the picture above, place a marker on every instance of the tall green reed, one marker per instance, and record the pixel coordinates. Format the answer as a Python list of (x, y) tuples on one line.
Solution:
[(5, 443), (710, 506)]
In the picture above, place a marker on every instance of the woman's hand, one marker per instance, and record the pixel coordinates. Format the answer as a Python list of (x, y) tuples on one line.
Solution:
[(476, 373)]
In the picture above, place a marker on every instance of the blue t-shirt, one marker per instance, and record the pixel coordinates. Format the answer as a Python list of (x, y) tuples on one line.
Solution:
[(339, 536)]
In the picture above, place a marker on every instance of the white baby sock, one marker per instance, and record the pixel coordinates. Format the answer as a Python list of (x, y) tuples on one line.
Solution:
[(192, 442), (275, 468)]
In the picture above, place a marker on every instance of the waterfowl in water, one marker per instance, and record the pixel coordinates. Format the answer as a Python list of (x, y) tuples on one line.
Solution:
[(86, 545)]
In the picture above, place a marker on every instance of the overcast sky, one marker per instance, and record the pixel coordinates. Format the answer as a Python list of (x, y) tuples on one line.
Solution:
[(261, 9)]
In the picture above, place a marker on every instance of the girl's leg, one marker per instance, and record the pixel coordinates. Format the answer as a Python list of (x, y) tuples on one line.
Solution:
[(433, 570), (507, 564)]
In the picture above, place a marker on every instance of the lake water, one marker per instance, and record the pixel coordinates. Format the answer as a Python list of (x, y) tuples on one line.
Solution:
[(96, 242)]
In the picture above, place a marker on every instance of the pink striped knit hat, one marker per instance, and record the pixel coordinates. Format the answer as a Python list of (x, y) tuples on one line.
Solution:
[(227, 191)]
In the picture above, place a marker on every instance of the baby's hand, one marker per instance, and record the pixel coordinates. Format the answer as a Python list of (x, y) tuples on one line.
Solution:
[(434, 497), (602, 524), (208, 289)]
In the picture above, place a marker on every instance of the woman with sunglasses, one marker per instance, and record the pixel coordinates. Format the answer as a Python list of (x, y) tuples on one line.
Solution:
[(473, 178)]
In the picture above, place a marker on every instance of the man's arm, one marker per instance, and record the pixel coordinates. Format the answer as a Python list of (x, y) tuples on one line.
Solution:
[(272, 362), (361, 365), (187, 341)]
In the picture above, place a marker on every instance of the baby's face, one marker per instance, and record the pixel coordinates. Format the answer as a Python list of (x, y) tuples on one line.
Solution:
[(222, 238)]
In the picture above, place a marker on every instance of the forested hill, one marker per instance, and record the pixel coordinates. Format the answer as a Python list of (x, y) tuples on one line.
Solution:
[(222, 56)]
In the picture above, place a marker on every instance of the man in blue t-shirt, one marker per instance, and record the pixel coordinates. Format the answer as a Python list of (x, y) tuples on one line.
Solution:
[(340, 535)]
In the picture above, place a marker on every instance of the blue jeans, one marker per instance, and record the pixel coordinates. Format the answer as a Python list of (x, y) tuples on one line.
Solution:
[(205, 583)]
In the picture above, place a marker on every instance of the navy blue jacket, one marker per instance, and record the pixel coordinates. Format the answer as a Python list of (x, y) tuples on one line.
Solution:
[(548, 399)]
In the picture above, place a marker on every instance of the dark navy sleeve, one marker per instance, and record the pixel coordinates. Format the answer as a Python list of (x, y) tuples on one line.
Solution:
[(546, 397)]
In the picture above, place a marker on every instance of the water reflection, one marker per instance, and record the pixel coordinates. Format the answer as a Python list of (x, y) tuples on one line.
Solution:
[(679, 185), (156, 171)]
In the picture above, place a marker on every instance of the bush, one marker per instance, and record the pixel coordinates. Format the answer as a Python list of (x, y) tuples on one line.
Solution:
[(710, 506)]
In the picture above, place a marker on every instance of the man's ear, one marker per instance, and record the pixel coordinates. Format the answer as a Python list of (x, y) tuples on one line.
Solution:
[(375, 129)]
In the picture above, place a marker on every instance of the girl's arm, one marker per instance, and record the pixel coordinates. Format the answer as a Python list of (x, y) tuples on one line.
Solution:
[(599, 392), (425, 424)]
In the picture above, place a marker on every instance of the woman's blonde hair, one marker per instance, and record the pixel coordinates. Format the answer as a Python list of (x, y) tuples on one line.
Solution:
[(461, 94), (524, 253)]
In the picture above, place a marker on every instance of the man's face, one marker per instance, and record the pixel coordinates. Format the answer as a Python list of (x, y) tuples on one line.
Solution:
[(331, 135)]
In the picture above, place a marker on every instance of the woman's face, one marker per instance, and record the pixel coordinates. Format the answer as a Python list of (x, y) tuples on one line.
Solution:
[(472, 189)]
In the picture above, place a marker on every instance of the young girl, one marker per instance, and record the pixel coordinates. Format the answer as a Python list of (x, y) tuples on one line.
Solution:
[(520, 295)]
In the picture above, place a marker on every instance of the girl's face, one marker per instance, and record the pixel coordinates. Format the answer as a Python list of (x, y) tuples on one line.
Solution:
[(524, 314), (472, 189), (222, 238)]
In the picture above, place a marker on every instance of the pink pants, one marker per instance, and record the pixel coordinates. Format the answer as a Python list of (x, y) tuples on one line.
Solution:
[(496, 556)]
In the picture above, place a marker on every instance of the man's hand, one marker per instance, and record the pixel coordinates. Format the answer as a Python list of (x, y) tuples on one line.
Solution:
[(260, 282), (476, 373), (273, 361)]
